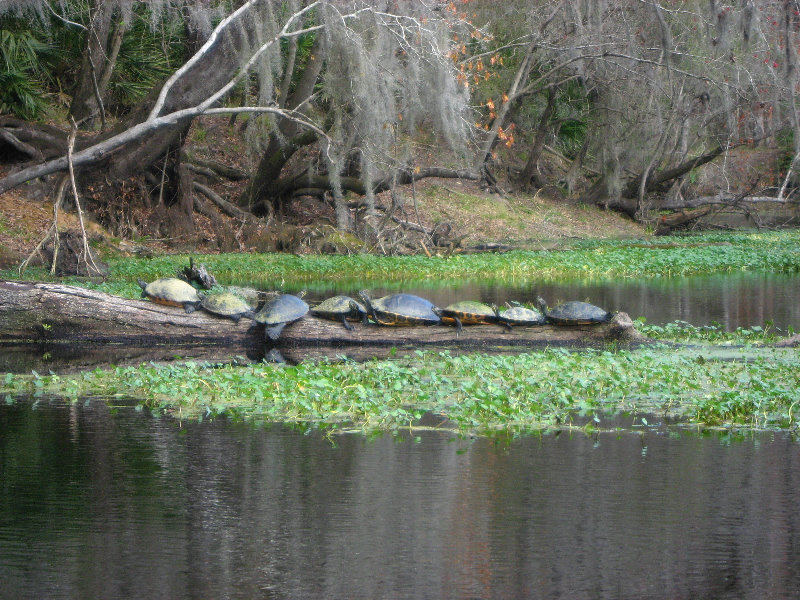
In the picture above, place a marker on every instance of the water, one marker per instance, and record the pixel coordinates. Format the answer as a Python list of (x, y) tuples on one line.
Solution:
[(732, 300), (100, 503)]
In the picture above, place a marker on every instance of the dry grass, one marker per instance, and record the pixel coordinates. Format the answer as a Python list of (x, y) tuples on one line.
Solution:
[(515, 218)]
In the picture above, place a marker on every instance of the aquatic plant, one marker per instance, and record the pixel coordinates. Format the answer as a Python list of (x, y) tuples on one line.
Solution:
[(713, 333), (470, 393)]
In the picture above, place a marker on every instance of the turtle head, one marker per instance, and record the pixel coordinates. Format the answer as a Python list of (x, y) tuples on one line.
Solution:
[(540, 302), (357, 309), (142, 283), (364, 295), (495, 310)]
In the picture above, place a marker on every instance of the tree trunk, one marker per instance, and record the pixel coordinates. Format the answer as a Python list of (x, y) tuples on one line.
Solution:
[(598, 194), (530, 173), (87, 97), (265, 190), (262, 195), (659, 178), (577, 164), (489, 140), (628, 200)]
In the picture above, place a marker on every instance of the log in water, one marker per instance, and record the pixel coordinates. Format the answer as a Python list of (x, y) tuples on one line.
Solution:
[(36, 313)]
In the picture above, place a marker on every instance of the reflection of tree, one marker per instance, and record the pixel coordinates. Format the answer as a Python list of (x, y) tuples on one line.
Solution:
[(96, 504)]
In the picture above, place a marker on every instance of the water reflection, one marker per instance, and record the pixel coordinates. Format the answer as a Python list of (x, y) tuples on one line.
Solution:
[(97, 503)]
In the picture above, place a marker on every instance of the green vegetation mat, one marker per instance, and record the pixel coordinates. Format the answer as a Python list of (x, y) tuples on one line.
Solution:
[(734, 387)]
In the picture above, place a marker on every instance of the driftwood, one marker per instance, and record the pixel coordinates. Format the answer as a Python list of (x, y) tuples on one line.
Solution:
[(50, 314), (790, 342), (724, 199), (667, 223), (197, 275)]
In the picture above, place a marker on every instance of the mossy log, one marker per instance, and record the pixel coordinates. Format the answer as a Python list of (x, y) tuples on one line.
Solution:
[(50, 313)]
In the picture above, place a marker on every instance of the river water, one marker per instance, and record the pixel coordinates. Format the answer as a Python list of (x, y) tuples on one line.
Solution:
[(731, 300), (99, 502)]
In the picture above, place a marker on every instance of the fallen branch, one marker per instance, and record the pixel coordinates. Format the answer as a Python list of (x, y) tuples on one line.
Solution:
[(411, 226), (21, 146), (403, 177), (667, 223), (727, 199)]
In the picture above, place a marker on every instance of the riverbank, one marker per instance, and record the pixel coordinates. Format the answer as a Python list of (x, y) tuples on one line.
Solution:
[(472, 214)]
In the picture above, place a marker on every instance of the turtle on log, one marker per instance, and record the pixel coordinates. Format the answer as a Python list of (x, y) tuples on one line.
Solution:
[(574, 313), (341, 308), (171, 292), (278, 312), (401, 310)]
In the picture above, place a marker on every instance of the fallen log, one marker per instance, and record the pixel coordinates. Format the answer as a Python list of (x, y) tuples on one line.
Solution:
[(789, 342), (47, 314), (724, 199), (667, 223)]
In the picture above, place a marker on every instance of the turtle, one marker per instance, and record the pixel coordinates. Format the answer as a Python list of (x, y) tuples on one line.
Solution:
[(516, 314), (172, 292), (401, 309), (227, 304), (574, 313), (279, 311), (250, 295), (255, 298), (469, 312), (341, 308)]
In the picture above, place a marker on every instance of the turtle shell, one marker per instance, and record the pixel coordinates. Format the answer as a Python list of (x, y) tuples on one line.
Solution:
[(340, 308), (401, 309), (520, 315), (172, 292), (277, 312), (228, 305), (469, 312), (250, 295), (576, 313)]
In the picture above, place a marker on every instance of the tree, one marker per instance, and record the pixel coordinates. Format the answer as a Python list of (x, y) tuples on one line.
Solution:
[(374, 74), (637, 92), (667, 87)]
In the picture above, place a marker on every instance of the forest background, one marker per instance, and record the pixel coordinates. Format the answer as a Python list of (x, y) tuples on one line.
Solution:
[(390, 126)]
